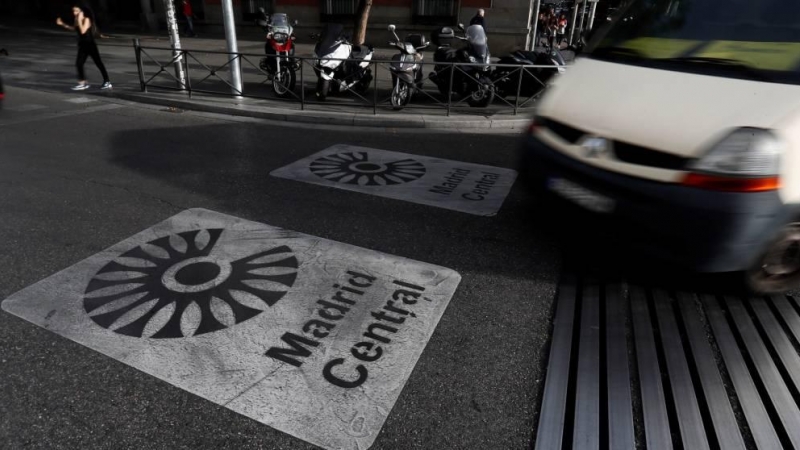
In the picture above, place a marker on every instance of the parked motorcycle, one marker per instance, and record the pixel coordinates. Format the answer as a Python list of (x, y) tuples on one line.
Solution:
[(280, 64), (406, 68), (534, 80), (473, 81), (335, 74)]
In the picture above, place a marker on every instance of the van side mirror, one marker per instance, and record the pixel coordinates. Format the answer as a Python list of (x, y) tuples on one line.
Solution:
[(461, 26), (391, 28)]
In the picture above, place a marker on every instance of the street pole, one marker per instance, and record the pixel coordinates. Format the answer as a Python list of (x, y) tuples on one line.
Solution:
[(592, 14), (175, 43), (583, 17), (572, 25), (536, 9), (233, 48)]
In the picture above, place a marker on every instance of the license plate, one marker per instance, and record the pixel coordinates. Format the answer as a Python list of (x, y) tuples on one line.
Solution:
[(581, 196)]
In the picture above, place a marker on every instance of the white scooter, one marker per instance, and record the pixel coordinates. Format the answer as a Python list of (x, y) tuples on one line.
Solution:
[(340, 65)]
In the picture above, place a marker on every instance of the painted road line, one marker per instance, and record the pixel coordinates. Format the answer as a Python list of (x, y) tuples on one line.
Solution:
[(312, 337), (459, 186)]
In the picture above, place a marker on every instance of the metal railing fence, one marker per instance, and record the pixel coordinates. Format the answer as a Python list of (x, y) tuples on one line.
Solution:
[(207, 77)]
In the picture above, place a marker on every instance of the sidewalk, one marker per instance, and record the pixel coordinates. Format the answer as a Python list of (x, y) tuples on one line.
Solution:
[(50, 47)]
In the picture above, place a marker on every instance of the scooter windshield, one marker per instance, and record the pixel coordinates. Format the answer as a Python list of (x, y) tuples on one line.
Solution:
[(329, 37), (476, 37)]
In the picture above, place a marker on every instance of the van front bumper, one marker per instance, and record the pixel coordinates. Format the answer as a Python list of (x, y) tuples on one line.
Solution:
[(705, 231)]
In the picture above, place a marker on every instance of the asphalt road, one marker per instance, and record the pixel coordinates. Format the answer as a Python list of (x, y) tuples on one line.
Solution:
[(80, 173)]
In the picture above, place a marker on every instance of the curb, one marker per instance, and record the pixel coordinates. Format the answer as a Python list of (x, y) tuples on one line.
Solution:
[(335, 118)]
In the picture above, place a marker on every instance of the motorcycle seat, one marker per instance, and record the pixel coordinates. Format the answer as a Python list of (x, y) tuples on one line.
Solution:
[(530, 56), (360, 51), (447, 54)]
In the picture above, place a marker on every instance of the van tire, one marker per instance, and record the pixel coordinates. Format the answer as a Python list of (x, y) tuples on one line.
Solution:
[(777, 269)]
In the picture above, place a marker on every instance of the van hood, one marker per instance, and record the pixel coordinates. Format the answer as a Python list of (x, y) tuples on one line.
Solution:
[(673, 112)]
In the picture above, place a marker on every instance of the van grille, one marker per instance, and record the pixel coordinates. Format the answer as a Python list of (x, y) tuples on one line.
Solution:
[(629, 153)]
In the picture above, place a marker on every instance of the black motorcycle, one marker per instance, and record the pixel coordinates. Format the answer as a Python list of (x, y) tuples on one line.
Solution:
[(534, 80), (406, 68), (467, 80)]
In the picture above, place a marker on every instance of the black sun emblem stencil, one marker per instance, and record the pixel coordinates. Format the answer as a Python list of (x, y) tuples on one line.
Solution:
[(173, 287), (356, 168)]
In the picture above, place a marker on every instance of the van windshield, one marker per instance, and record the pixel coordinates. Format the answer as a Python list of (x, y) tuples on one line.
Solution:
[(753, 39)]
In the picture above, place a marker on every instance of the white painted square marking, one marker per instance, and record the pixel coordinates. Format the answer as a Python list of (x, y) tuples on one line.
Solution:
[(460, 186), (312, 337), (80, 100)]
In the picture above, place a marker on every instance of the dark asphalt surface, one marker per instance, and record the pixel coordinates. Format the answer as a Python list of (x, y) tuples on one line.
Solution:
[(77, 178)]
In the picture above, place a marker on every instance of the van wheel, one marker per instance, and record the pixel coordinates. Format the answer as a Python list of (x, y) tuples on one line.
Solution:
[(778, 268)]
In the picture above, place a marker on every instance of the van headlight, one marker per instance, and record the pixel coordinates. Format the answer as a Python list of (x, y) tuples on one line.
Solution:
[(747, 160)]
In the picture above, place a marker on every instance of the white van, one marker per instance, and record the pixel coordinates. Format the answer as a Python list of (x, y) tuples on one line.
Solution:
[(682, 124)]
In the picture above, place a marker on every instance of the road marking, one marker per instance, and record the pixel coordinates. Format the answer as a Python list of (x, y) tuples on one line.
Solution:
[(80, 100), (60, 114), (26, 107), (460, 186), (312, 337)]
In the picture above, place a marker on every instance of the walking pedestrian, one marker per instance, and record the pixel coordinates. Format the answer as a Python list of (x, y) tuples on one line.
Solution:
[(562, 29), (189, 15), (87, 47), (479, 19), (552, 30)]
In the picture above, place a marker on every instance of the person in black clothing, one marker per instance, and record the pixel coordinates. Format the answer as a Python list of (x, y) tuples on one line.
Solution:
[(479, 19), (87, 47)]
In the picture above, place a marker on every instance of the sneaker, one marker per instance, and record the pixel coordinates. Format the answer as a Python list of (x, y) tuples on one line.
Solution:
[(80, 87), (106, 85)]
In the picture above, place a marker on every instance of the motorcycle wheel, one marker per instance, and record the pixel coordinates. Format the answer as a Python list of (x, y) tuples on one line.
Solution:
[(322, 89), (284, 82), (401, 95), (483, 95)]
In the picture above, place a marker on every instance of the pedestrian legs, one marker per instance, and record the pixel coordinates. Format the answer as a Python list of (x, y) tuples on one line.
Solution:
[(189, 26)]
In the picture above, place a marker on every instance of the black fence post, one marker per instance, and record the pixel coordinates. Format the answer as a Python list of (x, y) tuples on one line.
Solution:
[(450, 88), (186, 68), (302, 85), (375, 91), (522, 72), (138, 50)]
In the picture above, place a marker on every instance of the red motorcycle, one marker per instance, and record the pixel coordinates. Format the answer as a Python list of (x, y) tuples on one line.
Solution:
[(280, 64)]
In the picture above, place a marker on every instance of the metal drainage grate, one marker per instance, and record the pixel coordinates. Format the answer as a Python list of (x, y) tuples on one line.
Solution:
[(631, 367)]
